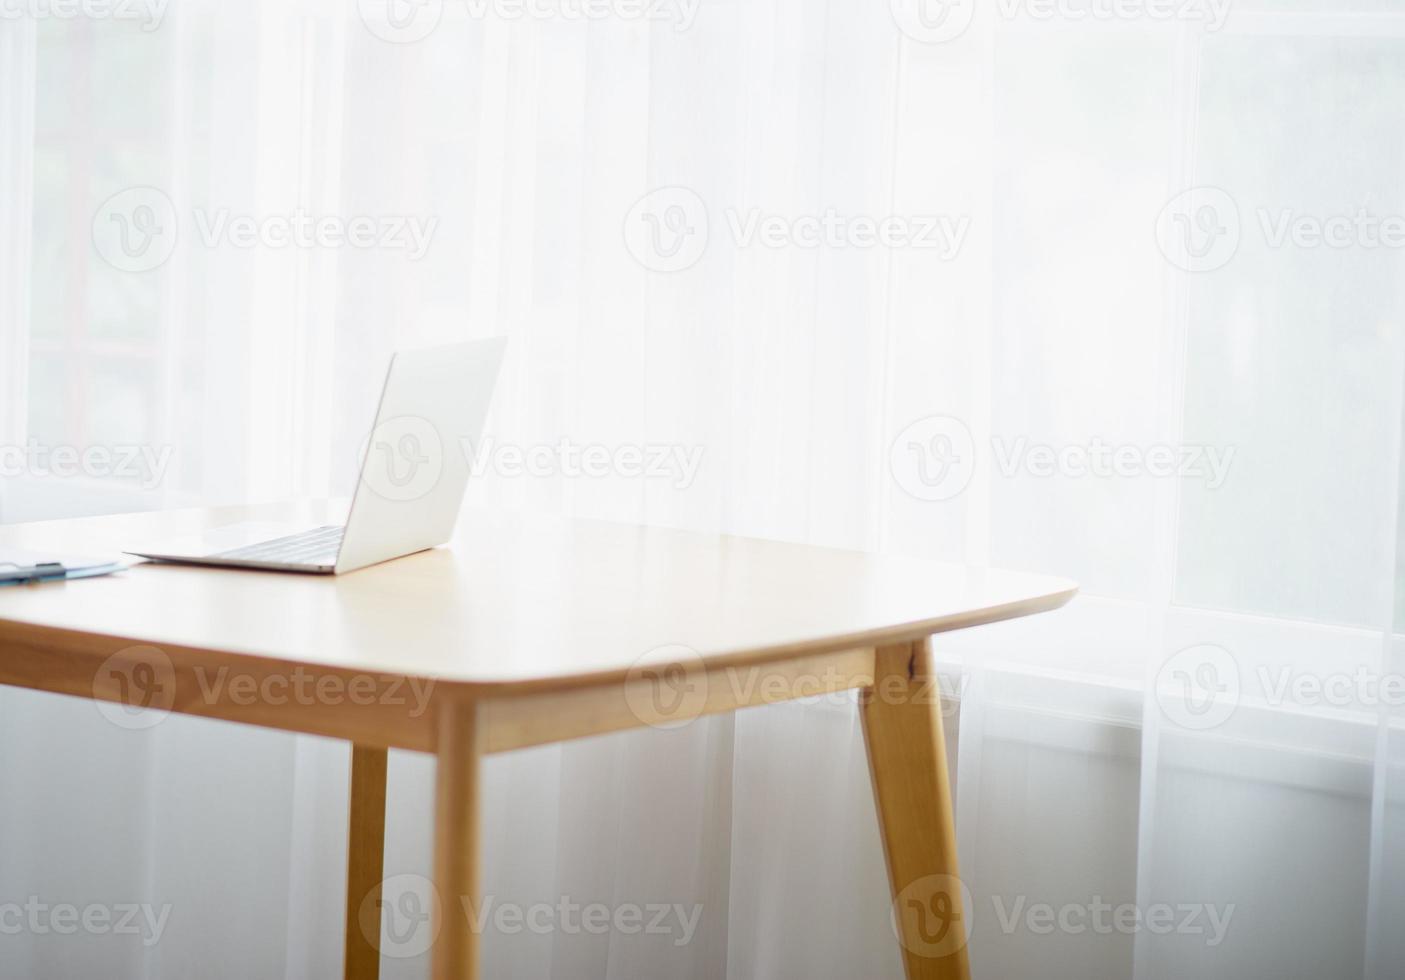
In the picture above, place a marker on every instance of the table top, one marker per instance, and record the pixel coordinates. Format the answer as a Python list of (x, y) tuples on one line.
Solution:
[(514, 600)]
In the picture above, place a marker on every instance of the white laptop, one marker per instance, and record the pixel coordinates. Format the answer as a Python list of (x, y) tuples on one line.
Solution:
[(412, 479)]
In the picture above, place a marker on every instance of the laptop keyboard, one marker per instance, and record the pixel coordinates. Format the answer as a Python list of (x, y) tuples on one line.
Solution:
[(316, 547)]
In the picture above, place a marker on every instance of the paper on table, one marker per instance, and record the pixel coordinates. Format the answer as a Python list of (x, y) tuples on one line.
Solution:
[(18, 565)]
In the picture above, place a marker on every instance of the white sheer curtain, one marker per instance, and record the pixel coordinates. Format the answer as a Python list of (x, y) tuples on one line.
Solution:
[(1190, 403)]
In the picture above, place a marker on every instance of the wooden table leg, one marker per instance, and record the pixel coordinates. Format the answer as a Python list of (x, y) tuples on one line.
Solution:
[(459, 751), (907, 758), (365, 861)]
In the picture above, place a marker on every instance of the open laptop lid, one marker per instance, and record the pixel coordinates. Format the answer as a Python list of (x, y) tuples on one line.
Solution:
[(416, 465)]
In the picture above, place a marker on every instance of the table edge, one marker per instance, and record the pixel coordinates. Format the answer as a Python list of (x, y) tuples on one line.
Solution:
[(98, 646)]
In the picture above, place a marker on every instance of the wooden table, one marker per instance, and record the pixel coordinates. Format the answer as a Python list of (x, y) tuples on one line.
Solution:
[(526, 631)]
